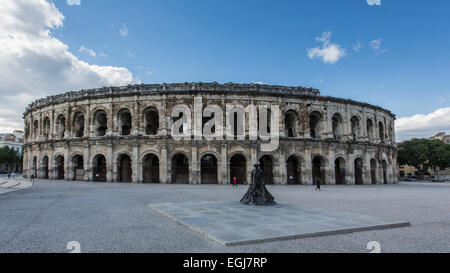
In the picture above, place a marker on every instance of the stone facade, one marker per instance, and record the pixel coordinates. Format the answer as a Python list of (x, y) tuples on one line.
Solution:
[(123, 134)]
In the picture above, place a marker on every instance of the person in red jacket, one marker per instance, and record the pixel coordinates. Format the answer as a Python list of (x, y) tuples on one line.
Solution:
[(234, 182)]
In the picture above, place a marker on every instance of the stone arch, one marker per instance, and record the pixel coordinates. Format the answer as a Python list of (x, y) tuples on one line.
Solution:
[(124, 169), (355, 127), (315, 124), (36, 128), (336, 125), (78, 166), (59, 166), (124, 121), (290, 123), (150, 168), (266, 162), (369, 128), (381, 131), (384, 168), (209, 168), (340, 170), (46, 128), (99, 167), (238, 168), (150, 116), (180, 168), (100, 121), (373, 171), (35, 168), (45, 167), (358, 171), (78, 124), (294, 170), (318, 164), (60, 126)]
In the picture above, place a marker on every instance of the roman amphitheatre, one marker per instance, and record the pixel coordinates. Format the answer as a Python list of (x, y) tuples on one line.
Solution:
[(123, 134)]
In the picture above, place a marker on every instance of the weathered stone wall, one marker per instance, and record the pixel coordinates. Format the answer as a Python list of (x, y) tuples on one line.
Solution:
[(361, 143)]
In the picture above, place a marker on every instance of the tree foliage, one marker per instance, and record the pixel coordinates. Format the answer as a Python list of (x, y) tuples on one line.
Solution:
[(9, 155), (423, 154)]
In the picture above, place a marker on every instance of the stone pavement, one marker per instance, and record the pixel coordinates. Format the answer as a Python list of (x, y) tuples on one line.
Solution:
[(233, 223), (9, 185)]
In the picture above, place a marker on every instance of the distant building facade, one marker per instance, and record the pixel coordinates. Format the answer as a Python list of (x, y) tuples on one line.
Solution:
[(14, 140)]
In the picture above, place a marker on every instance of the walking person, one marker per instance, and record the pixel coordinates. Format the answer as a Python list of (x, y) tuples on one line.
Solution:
[(318, 184), (32, 178), (234, 182), (9, 175), (13, 175)]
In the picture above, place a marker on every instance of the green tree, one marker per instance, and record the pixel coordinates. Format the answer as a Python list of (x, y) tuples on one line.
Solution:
[(9, 156), (415, 152), (439, 155)]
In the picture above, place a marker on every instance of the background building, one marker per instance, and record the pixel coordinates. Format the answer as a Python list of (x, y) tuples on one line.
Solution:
[(14, 140)]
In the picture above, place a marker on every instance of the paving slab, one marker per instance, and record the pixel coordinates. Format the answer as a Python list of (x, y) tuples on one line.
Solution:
[(233, 223)]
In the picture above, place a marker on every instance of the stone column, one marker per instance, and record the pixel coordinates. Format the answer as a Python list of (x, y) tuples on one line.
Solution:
[(68, 170), (135, 174), (282, 168), (111, 166), (87, 166), (308, 166), (331, 166), (223, 173), (163, 174), (194, 173)]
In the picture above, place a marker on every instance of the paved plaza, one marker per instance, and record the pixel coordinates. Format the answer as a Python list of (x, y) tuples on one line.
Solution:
[(117, 217), (233, 223)]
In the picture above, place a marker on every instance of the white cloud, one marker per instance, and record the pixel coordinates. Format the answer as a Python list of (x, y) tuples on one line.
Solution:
[(374, 2), (358, 46), (259, 82), (88, 51), (103, 55), (35, 64), (376, 46), (124, 30), (423, 125), (74, 2), (329, 53)]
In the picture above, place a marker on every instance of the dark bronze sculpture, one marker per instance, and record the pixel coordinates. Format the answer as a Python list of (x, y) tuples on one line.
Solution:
[(257, 193)]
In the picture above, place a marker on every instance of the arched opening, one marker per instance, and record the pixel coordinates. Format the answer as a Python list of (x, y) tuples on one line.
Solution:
[(45, 170), (336, 123), (293, 169), (35, 128), (381, 131), (315, 119), (384, 164), (318, 170), (238, 169), (59, 167), (100, 123), (373, 171), (124, 122), (358, 171), (99, 168), (35, 167), (290, 121), (124, 168), (264, 119), (180, 169), (209, 169), (150, 169), (151, 121), (60, 126), (354, 121), (78, 124), (78, 167), (46, 128), (339, 171), (267, 168), (369, 129)]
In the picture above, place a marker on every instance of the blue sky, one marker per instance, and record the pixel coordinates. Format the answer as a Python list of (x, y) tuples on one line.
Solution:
[(395, 55)]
